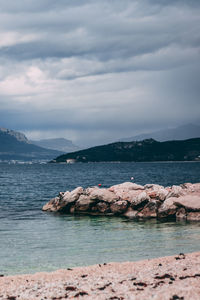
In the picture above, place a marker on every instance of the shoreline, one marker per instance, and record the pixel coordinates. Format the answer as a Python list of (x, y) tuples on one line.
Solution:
[(171, 277)]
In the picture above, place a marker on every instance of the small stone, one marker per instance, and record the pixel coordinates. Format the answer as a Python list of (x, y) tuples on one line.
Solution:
[(130, 213), (119, 207), (140, 200), (181, 214), (150, 210), (193, 216), (176, 191), (167, 209), (102, 207), (83, 203), (101, 195)]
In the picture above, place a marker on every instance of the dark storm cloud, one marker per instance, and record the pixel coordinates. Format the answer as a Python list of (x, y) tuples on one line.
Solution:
[(99, 66), (172, 2), (97, 29), (20, 6)]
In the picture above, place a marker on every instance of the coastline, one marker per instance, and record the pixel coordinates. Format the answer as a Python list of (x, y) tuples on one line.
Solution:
[(172, 277)]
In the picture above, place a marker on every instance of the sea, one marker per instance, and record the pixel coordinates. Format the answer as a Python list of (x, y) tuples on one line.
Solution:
[(32, 240)]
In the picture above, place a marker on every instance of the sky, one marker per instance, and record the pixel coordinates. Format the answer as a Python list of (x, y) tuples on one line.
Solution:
[(95, 71)]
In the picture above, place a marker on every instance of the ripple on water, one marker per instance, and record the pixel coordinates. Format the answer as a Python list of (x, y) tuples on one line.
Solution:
[(31, 240)]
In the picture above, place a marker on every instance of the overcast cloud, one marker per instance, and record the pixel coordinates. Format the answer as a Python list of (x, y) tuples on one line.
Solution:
[(97, 70)]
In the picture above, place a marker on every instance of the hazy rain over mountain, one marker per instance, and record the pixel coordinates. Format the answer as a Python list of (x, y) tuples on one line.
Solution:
[(96, 71)]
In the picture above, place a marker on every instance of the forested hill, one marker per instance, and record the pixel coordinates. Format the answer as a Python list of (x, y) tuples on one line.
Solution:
[(143, 151)]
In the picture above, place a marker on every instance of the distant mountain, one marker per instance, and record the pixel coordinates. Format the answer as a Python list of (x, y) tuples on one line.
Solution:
[(143, 151), (184, 132), (60, 144), (15, 146), (18, 135)]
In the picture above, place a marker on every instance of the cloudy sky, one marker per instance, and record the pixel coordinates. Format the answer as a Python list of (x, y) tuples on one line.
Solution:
[(97, 70)]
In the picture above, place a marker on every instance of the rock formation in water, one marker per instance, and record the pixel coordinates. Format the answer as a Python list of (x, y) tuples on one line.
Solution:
[(132, 201)]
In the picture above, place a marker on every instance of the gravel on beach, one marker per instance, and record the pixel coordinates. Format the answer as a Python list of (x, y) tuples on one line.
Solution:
[(171, 278)]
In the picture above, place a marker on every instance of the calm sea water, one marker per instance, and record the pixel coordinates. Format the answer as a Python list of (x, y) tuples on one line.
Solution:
[(32, 240)]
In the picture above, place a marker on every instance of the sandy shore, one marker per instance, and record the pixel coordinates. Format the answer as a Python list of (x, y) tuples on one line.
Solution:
[(174, 277)]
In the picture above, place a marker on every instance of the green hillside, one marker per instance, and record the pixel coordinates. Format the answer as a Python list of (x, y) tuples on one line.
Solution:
[(146, 150)]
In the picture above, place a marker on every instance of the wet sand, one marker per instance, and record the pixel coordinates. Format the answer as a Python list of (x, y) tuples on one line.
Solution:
[(171, 278)]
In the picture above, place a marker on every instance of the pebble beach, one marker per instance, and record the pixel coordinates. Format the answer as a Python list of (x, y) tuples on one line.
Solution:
[(170, 278)]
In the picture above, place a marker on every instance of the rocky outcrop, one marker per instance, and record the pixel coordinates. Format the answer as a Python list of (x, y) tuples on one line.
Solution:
[(132, 201)]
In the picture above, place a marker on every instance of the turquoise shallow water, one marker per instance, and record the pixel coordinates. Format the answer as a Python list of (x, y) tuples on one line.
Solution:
[(31, 240)]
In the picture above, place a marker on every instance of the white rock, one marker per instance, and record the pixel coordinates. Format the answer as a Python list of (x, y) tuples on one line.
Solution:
[(162, 194), (126, 186), (139, 199), (83, 203), (153, 187), (176, 191), (102, 195), (189, 202), (70, 197)]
